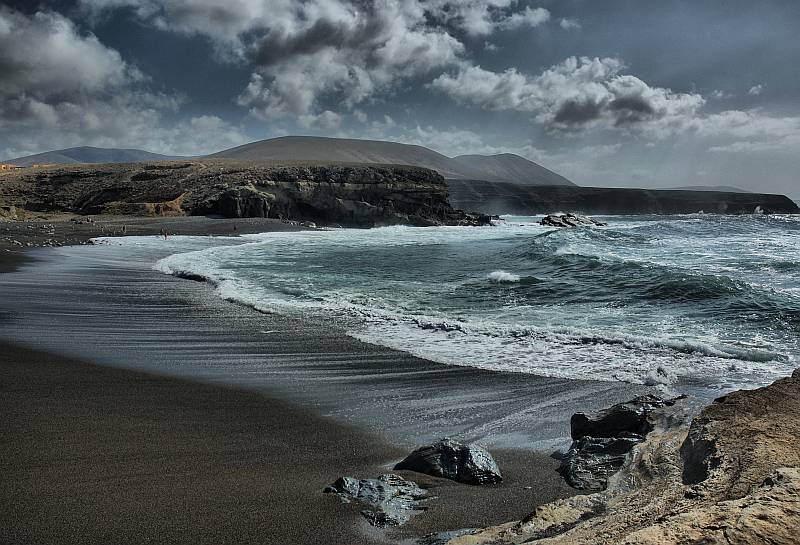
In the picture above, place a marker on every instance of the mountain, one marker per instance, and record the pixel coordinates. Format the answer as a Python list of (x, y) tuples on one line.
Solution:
[(87, 154), (507, 167), (724, 188), (504, 168)]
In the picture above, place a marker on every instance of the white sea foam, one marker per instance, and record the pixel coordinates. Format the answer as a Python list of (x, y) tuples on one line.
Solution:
[(503, 277), (420, 302)]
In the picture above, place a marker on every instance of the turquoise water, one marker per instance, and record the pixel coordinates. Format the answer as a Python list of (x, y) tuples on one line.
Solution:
[(705, 299)]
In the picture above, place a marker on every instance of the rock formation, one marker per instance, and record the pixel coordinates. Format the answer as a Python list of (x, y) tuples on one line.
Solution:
[(390, 499), (732, 477), (350, 195), (469, 464), (569, 220), (529, 200), (601, 442)]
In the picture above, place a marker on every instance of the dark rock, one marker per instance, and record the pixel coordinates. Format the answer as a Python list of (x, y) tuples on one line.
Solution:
[(601, 442), (442, 538), (469, 464), (569, 220), (352, 195), (629, 417), (529, 200), (590, 461), (392, 500)]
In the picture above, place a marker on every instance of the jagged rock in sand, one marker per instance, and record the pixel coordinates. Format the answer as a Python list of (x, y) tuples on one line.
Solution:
[(630, 417), (733, 477), (569, 220), (590, 461), (469, 464), (601, 442), (391, 500)]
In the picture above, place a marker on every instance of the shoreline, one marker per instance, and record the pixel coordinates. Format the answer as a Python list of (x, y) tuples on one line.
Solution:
[(457, 505)]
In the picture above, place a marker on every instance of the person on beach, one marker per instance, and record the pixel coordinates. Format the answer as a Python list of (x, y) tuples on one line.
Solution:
[(163, 233)]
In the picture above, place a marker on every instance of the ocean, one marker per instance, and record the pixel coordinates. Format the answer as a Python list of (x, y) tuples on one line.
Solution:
[(703, 300)]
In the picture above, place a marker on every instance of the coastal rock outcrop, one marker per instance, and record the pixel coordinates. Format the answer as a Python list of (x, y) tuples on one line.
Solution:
[(469, 464), (390, 499), (351, 195), (601, 442), (631, 417), (569, 220), (731, 477), (528, 200)]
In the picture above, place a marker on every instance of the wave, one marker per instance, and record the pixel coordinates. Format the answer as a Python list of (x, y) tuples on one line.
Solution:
[(503, 277)]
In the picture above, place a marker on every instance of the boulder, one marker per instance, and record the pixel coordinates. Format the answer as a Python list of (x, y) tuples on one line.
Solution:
[(630, 417), (601, 442), (469, 464), (390, 499), (590, 461), (569, 220)]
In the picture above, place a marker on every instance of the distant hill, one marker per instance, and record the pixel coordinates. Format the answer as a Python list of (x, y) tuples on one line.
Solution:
[(512, 168), (87, 154), (505, 167), (723, 188)]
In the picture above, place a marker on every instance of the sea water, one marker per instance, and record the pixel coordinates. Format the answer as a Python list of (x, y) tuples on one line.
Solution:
[(662, 300)]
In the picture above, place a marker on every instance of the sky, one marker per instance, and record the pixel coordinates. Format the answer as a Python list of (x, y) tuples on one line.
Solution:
[(625, 93)]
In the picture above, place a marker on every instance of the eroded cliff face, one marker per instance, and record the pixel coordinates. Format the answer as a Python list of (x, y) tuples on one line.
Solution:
[(353, 195), (507, 198), (731, 477)]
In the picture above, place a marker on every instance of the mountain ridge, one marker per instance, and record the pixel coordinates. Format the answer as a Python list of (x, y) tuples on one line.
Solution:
[(89, 155), (504, 167)]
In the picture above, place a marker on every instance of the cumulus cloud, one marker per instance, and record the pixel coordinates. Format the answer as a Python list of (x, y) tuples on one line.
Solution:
[(569, 24), (61, 87), (343, 51), (45, 55), (753, 131), (576, 95), (755, 90)]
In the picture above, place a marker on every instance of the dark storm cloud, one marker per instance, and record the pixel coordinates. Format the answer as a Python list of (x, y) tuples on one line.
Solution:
[(277, 46), (578, 113)]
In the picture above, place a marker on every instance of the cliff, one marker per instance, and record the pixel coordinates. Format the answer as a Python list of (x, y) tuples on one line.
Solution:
[(353, 195), (504, 198)]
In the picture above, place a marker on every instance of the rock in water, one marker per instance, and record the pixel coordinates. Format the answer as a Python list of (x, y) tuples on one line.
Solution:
[(601, 442), (569, 220), (469, 464), (391, 499)]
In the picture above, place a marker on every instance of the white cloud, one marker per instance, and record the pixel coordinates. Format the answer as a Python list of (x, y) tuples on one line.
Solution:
[(576, 95), (310, 54), (756, 90), (45, 55), (61, 88), (569, 24), (529, 17)]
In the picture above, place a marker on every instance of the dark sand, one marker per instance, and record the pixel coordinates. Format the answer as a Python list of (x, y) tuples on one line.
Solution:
[(70, 230), (94, 454)]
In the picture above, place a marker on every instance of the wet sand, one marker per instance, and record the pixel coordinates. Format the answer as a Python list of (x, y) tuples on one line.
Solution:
[(106, 455)]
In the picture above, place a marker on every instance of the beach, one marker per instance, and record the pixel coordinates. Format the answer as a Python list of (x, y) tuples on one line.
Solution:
[(209, 422)]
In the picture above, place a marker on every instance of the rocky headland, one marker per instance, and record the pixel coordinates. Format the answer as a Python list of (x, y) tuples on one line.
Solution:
[(491, 197), (350, 195), (730, 475)]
